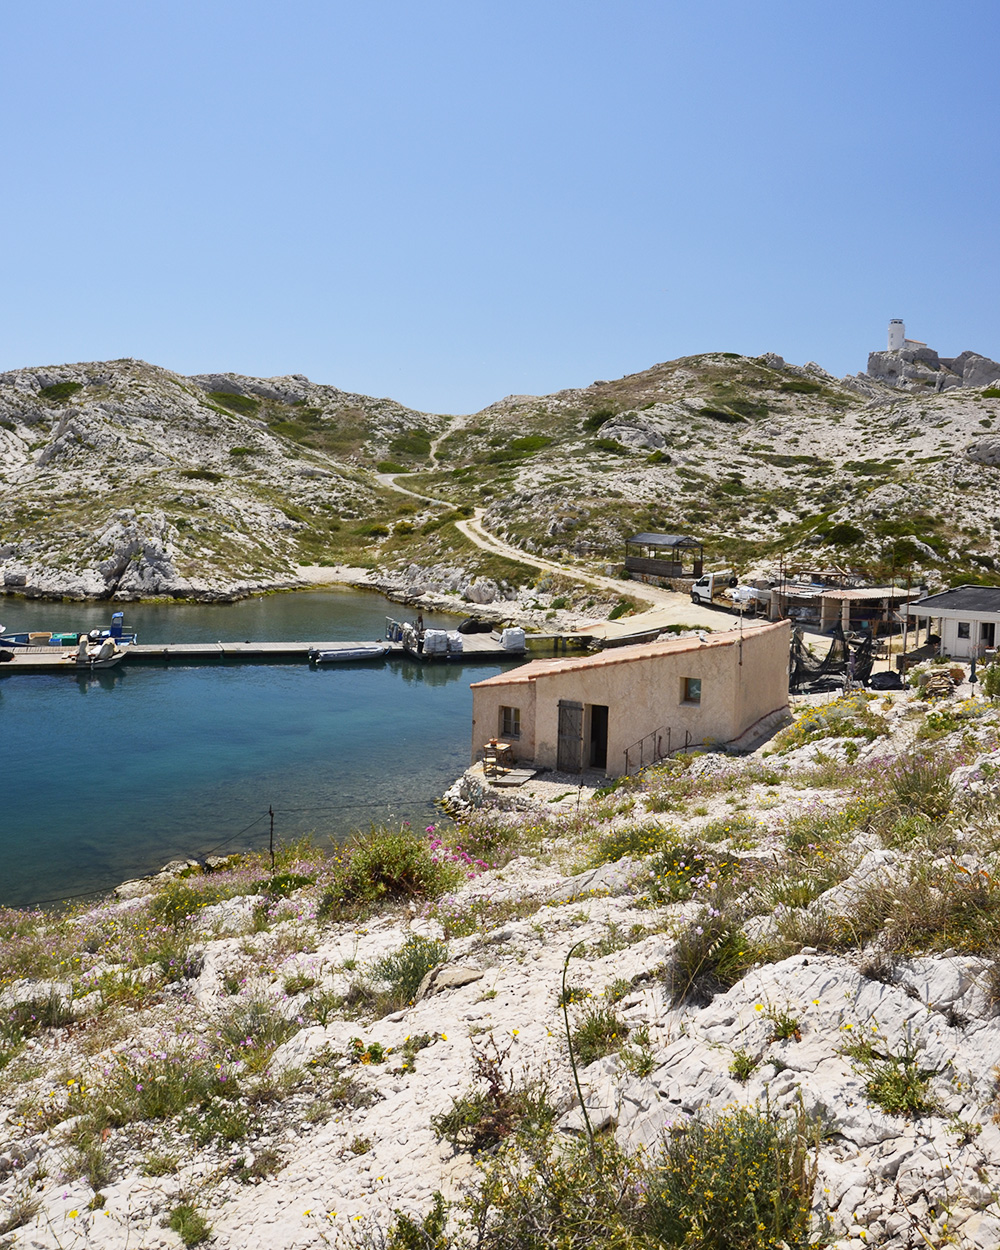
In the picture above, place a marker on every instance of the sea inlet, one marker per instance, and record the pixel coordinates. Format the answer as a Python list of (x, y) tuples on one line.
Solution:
[(111, 775)]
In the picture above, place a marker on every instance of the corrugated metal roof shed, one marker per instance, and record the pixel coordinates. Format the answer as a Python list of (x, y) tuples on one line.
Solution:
[(860, 595), (664, 540)]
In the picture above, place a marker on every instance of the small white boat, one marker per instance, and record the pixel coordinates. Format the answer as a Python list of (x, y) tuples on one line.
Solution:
[(352, 651)]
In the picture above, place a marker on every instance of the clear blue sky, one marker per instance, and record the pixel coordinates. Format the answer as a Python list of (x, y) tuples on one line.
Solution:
[(446, 201)]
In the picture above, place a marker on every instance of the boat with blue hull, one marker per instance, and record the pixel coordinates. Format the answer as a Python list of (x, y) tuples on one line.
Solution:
[(46, 638)]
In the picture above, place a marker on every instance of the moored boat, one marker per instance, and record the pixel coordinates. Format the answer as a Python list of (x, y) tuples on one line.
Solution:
[(86, 657), (46, 638), (352, 651)]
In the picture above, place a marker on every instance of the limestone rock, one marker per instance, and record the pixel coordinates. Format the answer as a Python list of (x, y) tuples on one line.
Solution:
[(446, 977)]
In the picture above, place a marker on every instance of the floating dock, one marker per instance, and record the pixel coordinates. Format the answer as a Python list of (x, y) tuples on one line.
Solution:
[(476, 647)]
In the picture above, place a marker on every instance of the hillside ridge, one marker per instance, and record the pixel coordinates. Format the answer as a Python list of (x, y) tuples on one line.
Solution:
[(124, 480)]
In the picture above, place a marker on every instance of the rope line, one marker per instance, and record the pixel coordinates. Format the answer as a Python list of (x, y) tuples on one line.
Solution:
[(138, 868)]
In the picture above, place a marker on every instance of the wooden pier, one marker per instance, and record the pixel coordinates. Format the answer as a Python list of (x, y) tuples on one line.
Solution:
[(476, 647)]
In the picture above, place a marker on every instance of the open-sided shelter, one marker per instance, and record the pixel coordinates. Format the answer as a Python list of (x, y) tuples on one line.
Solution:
[(663, 555)]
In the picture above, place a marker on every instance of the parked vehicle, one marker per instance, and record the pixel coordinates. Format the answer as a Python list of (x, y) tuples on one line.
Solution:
[(712, 585)]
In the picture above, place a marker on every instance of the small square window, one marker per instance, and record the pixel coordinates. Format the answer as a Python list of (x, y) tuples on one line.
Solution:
[(510, 722), (692, 690), (964, 629)]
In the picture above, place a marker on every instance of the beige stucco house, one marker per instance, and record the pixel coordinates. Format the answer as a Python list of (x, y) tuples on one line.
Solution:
[(630, 705)]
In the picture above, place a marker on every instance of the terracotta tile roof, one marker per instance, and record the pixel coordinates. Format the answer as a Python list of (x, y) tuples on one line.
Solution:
[(623, 655)]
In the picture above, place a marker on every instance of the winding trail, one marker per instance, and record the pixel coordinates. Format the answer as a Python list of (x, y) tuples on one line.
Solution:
[(662, 607)]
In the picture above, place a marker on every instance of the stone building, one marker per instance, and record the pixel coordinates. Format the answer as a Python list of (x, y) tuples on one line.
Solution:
[(912, 365), (629, 706)]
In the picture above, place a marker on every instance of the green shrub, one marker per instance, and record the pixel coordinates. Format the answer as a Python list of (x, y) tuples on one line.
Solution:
[(799, 386), (383, 866), (202, 475), (723, 415), (390, 466), (415, 443), (496, 1106), (189, 1225), (636, 841), (530, 443), (242, 451), (621, 608), (850, 716), (428, 1233), (742, 1066), (896, 1082), (283, 884), (843, 535), (991, 392), (730, 828), (991, 682), (58, 392), (406, 968), (784, 1026), (600, 1032), (741, 1181), (245, 405), (179, 901), (597, 418), (710, 955)]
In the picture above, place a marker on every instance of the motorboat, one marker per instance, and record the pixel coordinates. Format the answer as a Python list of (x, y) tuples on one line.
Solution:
[(86, 657), (350, 651), (43, 638)]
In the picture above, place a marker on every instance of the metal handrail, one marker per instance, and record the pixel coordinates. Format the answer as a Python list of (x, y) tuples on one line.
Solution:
[(656, 751), (655, 746)]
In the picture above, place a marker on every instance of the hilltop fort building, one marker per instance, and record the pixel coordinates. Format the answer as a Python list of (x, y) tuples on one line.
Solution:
[(913, 366)]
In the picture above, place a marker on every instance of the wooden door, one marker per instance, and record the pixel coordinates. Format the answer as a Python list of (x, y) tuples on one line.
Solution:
[(569, 756)]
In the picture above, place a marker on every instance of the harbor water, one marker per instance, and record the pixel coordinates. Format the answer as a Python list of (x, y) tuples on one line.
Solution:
[(110, 775)]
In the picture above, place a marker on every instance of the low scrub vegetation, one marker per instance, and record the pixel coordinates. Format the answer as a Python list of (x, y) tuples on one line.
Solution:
[(739, 1181)]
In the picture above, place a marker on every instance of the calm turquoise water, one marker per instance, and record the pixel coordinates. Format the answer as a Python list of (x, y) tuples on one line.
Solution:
[(106, 777)]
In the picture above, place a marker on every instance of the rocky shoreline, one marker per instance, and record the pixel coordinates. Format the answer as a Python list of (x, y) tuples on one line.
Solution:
[(443, 589), (878, 1027)]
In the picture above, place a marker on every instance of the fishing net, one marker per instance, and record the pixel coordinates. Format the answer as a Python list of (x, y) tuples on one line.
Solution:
[(811, 673)]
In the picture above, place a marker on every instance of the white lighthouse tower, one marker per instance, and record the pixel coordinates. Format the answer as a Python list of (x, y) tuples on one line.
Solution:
[(897, 334)]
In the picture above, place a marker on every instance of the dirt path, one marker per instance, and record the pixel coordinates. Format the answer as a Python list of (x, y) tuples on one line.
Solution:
[(659, 607)]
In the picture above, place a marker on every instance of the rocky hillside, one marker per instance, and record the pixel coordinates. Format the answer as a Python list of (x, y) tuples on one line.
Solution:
[(782, 977), (758, 457), (122, 479)]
